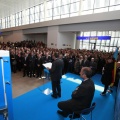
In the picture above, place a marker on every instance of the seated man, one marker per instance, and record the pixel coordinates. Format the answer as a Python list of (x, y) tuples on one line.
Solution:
[(81, 97)]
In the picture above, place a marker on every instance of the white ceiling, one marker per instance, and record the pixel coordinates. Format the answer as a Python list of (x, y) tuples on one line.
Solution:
[(8, 7)]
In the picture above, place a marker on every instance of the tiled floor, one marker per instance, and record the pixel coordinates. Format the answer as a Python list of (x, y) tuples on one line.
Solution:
[(21, 85)]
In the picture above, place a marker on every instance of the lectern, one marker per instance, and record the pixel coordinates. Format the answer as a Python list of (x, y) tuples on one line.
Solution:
[(6, 106)]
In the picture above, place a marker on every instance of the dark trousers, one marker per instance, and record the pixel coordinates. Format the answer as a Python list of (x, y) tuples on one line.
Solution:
[(39, 72), (25, 71), (32, 71), (66, 106), (56, 88), (105, 88), (14, 68)]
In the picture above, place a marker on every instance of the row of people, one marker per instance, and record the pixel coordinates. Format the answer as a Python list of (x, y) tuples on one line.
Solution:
[(72, 62), (32, 64)]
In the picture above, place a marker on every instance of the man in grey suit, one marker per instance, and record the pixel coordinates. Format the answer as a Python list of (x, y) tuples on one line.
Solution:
[(81, 97), (56, 75)]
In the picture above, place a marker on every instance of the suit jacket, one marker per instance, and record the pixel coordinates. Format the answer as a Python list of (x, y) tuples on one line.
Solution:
[(56, 70), (93, 66), (47, 59), (25, 61), (86, 63), (32, 60), (82, 96), (39, 62)]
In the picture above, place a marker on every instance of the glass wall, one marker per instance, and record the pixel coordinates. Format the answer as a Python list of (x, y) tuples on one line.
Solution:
[(91, 40), (0, 22), (58, 9), (98, 6)]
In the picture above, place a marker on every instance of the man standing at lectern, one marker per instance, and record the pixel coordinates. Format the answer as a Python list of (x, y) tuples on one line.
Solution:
[(56, 75)]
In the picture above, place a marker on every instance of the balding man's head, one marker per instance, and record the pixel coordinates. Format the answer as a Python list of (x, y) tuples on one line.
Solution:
[(86, 71)]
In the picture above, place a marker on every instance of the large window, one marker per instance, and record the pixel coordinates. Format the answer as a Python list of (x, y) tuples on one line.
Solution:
[(20, 18), (32, 15), (74, 8), (49, 10), (101, 6), (12, 17), (57, 3), (3, 23), (58, 9), (87, 6), (7, 22), (100, 44), (65, 2), (65, 8), (16, 19), (42, 14), (97, 6), (100, 3), (23, 21), (27, 16), (37, 13), (56, 13)]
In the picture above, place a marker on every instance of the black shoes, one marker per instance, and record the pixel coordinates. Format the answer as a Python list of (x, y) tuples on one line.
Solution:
[(54, 96), (62, 113)]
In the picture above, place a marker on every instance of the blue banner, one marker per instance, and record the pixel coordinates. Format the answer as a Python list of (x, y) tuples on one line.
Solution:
[(93, 37)]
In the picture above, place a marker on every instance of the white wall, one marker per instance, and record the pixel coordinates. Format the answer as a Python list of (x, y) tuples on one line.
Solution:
[(14, 36), (66, 40), (1, 38), (52, 37)]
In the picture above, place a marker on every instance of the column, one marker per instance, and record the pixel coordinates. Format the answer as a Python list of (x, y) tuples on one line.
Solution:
[(78, 41), (52, 37)]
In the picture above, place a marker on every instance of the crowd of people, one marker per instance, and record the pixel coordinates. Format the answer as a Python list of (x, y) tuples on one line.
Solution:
[(29, 57)]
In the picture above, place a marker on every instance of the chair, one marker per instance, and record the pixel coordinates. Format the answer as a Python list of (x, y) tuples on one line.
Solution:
[(85, 111)]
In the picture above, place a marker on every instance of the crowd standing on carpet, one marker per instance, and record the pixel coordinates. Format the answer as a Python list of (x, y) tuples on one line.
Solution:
[(31, 54), (29, 57)]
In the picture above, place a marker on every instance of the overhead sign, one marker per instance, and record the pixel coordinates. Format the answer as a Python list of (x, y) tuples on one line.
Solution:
[(93, 37)]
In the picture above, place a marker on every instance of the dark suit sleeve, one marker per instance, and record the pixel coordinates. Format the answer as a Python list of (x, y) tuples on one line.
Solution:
[(53, 68), (85, 90), (78, 93)]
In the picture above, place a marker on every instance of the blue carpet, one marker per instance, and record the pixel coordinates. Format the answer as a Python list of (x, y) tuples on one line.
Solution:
[(34, 105)]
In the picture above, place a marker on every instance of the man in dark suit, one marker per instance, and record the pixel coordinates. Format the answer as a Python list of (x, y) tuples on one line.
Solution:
[(86, 62), (25, 65), (81, 97), (93, 66), (56, 75), (39, 63), (32, 60)]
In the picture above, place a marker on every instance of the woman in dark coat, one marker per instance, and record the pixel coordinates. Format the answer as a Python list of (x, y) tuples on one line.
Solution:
[(107, 74)]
